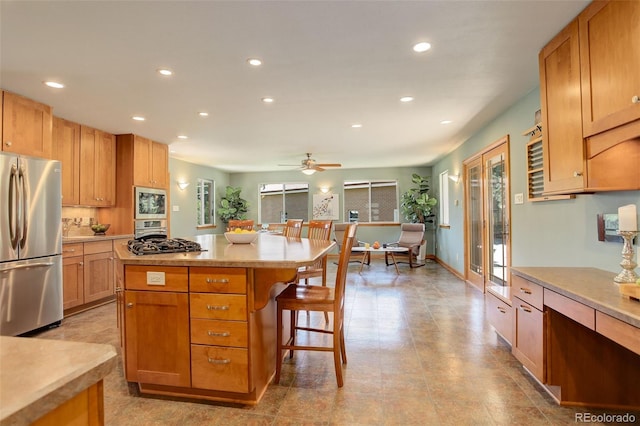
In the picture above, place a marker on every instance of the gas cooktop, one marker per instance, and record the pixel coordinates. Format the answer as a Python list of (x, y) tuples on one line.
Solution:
[(161, 244)]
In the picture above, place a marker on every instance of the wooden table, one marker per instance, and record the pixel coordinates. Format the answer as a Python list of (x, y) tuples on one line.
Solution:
[(203, 325), (391, 250)]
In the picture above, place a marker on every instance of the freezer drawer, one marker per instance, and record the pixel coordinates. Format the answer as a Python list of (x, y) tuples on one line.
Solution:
[(30, 294)]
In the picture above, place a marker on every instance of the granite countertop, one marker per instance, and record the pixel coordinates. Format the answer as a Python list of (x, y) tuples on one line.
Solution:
[(38, 375), (90, 238), (268, 251), (589, 286)]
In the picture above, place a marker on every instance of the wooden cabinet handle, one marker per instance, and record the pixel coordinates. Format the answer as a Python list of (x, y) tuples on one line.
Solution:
[(217, 280), (218, 333), (219, 361), (217, 308), (525, 290)]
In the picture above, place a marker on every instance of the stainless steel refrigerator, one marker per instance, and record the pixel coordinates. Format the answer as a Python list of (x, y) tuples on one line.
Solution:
[(30, 243)]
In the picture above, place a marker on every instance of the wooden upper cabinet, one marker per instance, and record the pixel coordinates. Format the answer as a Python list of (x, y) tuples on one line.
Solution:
[(26, 126), (66, 149), (560, 97), (150, 162), (610, 60), (97, 167)]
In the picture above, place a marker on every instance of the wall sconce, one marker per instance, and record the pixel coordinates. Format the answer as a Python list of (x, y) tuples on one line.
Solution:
[(324, 189), (455, 178), (182, 185)]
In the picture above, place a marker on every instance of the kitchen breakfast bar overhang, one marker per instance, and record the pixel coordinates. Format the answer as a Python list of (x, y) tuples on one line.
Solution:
[(202, 325)]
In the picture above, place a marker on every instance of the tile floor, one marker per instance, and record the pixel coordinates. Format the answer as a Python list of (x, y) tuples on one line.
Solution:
[(420, 352)]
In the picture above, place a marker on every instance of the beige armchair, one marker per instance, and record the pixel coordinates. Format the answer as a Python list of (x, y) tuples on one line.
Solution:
[(411, 237)]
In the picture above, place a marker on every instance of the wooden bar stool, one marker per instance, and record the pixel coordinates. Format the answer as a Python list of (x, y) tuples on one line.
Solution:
[(297, 297)]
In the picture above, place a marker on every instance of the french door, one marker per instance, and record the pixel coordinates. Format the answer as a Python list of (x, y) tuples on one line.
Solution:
[(487, 218)]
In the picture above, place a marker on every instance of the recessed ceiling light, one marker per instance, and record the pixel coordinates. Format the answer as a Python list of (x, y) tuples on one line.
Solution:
[(406, 99), (138, 118), (183, 137), (267, 100), (356, 125), (203, 114), (421, 47), (164, 71), (446, 122), (254, 61), (54, 84)]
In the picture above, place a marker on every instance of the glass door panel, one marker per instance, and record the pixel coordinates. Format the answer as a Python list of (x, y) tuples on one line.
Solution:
[(498, 218), (474, 220)]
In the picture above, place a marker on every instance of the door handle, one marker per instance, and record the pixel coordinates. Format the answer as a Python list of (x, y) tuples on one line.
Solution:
[(25, 207)]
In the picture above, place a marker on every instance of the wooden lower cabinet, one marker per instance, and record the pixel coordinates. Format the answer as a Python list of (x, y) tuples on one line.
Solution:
[(73, 275), (529, 332), (500, 316)]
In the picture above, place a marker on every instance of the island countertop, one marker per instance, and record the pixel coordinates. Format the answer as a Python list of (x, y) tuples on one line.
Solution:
[(38, 375), (268, 251)]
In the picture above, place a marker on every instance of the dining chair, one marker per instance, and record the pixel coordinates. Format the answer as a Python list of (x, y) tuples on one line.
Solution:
[(293, 228), (411, 237), (239, 223), (317, 298)]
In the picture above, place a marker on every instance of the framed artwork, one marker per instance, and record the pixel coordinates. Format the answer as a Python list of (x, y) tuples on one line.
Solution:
[(326, 206)]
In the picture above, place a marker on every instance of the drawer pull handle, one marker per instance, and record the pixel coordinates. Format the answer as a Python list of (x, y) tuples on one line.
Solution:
[(635, 99), (219, 361), (217, 308), (217, 280), (525, 308), (525, 290), (502, 310), (218, 333), (69, 251)]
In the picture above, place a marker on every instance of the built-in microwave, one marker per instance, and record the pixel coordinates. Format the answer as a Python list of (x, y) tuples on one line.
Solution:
[(151, 203)]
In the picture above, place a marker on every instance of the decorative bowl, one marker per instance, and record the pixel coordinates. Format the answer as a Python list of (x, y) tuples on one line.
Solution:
[(100, 228), (241, 238)]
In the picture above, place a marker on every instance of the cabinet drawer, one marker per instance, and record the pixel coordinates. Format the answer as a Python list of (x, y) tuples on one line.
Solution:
[(620, 332), (500, 316), (219, 333), (218, 280), (156, 278), (570, 308), (98, 247), (73, 249), (222, 369), (529, 292), (219, 306), (529, 338)]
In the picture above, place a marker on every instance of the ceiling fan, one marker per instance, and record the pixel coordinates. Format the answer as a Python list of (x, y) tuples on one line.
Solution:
[(309, 166)]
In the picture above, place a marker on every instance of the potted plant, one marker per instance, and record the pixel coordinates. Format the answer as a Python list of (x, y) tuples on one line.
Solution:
[(232, 206), (416, 204)]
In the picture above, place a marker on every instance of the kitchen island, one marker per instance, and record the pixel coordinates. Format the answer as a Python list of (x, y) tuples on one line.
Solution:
[(52, 382), (203, 324)]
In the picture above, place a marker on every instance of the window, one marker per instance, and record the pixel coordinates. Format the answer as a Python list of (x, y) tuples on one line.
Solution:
[(205, 205), (282, 201), (444, 198), (371, 201)]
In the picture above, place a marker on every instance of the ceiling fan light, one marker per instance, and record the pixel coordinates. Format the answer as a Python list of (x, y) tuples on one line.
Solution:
[(308, 172)]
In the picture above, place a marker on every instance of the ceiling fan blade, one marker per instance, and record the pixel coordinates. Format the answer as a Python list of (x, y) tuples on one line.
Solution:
[(329, 164), (317, 168), (289, 165)]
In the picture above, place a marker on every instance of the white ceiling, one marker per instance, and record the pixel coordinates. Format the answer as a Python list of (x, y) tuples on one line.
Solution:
[(327, 64)]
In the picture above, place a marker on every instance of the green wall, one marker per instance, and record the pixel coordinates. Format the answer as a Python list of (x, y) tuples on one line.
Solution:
[(551, 233)]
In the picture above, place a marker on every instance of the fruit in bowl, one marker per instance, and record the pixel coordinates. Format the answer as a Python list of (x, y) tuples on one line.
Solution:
[(100, 228), (241, 236)]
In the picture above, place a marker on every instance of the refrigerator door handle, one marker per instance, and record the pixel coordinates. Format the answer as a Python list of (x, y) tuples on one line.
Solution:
[(25, 208), (27, 266), (12, 206)]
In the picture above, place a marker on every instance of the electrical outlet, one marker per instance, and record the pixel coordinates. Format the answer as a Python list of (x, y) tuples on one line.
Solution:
[(155, 278), (519, 198)]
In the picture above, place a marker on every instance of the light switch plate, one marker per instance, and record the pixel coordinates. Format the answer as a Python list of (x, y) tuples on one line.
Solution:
[(519, 198), (176, 208)]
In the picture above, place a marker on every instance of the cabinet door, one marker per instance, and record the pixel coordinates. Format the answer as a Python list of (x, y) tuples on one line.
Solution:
[(564, 157), (141, 161), (73, 282), (66, 149), (610, 60), (159, 165), (98, 276), (97, 167), (157, 338), (26, 126), (529, 338)]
